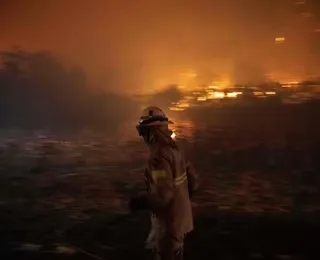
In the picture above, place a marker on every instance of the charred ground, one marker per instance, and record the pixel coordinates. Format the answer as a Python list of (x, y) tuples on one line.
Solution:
[(259, 197)]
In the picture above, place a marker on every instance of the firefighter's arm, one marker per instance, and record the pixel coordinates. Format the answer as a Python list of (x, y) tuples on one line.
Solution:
[(193, 179), (161, 192), (141, 202)]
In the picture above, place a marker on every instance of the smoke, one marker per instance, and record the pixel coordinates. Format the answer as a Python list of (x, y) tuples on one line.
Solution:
[(248, 72), (38, 91), (126, 46), (166, 97)]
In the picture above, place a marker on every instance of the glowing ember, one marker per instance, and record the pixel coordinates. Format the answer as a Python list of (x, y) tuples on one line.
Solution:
[(279, 39)]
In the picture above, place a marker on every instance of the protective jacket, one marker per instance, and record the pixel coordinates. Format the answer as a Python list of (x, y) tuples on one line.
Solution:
[(170, 180)]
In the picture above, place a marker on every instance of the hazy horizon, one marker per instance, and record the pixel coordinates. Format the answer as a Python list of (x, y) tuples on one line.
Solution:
[(129, 46)]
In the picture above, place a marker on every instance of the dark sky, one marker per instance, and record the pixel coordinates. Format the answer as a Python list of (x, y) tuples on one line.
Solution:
[(149, 43)]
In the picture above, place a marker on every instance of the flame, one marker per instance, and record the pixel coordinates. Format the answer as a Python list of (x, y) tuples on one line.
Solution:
[(258, 93), (183, 105), (219, 94), (233, 94), (202, 98), (293, 82), (176, 108), (173, 135)]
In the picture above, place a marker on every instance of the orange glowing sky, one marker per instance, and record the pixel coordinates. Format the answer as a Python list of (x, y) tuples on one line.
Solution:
[(125, 44)]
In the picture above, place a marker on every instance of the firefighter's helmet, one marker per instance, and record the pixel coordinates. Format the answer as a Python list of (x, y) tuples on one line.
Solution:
[(152, 116)]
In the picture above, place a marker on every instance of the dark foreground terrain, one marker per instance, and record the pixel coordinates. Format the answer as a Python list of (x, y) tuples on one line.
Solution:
[(106, 236), (259, 198)]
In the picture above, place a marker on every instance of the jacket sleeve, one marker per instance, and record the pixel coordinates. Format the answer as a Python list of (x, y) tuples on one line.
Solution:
[(161, 183), (193, 179)]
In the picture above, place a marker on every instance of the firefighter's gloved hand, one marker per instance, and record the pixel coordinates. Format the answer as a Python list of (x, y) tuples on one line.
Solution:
[(139, 203), (190, 194)]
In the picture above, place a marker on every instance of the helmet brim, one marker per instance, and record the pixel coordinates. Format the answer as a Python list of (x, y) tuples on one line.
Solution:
[(141, 128), (159, 123)]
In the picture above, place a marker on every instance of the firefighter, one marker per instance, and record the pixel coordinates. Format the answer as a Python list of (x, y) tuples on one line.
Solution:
[(171, 182)]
